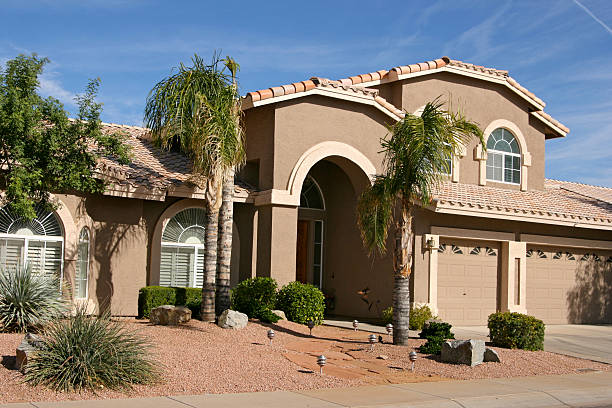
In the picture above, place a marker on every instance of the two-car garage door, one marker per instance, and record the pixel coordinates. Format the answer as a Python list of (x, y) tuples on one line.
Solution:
[(467, 281), (569, 285)]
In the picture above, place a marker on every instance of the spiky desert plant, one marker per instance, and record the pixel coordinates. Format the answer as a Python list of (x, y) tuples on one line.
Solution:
[(91, 352), (28, 300)]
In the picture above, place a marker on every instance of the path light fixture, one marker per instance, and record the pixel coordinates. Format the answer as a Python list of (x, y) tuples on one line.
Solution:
[(321, 360), (389, 328), (311, 325), (270, 335), (355, 324), (413, 358), (372, 339)]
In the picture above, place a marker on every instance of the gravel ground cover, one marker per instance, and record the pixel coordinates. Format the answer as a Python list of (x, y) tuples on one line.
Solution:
[(201, 358)]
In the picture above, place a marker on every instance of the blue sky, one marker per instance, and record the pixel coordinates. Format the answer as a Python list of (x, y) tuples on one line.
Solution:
[(560, 50)]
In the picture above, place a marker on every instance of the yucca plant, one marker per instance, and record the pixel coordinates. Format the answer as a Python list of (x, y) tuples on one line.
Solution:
[(91, 352), (28, 300)]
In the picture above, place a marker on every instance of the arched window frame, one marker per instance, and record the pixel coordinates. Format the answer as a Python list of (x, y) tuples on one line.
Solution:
[(84, 245), (480, 154), (25, 242), (177, 249), (513, 157), (319, 191)]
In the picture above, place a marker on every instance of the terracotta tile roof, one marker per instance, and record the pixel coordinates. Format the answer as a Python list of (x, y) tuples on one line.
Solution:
[(324, 83), (363, 80), (151, 168), (564, 201)]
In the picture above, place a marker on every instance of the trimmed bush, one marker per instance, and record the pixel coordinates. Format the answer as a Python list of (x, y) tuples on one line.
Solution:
[(301, 302), (253, 295), (516, 330), (418, 316), (28, 301), (89, 352), (151, 297), (436, 334)]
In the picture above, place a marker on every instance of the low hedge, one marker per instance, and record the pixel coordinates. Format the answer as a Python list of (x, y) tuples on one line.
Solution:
[(151, 297), (436, 334), (418, 316), (256, 297), (516, 330), (301, 302)]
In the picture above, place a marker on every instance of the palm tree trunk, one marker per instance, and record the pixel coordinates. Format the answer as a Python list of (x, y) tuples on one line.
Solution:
[(207, 309), (226, 221), (401, 270)]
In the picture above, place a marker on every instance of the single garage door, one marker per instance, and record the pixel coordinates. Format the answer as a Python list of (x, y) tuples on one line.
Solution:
[(569, 285), (467, 281)]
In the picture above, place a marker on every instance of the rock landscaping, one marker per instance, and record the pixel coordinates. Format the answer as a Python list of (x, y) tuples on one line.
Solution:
[(231, 319), (468, 352), (28, 345), (170, 315), (228, 359)]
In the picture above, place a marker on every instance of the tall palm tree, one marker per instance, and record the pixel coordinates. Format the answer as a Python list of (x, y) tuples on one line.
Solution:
[(195, 110), (415, 159)]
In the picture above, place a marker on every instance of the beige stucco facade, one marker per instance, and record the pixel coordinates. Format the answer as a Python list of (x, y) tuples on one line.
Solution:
[(469, 259)]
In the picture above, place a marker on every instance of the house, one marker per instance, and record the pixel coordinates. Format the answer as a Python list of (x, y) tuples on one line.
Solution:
[(498, 236)]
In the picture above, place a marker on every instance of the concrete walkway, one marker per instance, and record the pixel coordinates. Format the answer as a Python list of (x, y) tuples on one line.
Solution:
[(575, 390)]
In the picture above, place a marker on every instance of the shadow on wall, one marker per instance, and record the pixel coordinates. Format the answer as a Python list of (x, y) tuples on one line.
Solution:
[(590, 300)]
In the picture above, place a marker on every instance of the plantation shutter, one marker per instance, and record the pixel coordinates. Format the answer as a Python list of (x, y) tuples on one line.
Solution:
[(10, 253), (80, 281), (199, 272), (165, 266), (176, 266), (35, 259)]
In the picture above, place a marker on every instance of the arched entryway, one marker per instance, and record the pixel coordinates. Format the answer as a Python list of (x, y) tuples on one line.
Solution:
[(329, 253)]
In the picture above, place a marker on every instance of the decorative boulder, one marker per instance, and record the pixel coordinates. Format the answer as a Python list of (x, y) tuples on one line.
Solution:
[(29, 345), (231, 319), (168, 315), (280, 314), (491, 355), (469, 352)]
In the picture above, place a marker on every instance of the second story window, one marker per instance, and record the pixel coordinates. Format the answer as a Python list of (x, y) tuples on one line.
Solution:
[(503, 157)]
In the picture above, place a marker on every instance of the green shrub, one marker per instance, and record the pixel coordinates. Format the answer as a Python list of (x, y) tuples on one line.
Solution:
[(436, 334), (266, 316), (418, 316), (89, 352), (254, 297), (516, 330), (301, 302), (151, 297), (28, 300)]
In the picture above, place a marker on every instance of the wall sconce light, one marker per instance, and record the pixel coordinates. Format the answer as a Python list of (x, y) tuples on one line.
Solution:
[(430, 243)]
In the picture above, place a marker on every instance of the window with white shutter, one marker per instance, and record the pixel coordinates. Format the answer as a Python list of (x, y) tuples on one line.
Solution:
[(82, 267), (38, 243), (182, 251)]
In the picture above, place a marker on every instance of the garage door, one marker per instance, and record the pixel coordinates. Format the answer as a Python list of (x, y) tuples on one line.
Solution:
[(467, 281), (569, 285)]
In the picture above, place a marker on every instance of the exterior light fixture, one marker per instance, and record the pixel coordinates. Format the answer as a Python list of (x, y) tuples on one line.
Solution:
[(389, 328), (372, 339), (321, 360), (310, 323), (270, 335), (355, 324), (413, 358), (431, 243)]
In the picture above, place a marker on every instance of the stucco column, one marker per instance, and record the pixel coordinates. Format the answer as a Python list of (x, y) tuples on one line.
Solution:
[(276, 242), (513, 277), (432, 243), (480, 155)]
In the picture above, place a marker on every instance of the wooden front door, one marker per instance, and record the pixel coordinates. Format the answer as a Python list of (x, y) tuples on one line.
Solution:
[(301, 255)]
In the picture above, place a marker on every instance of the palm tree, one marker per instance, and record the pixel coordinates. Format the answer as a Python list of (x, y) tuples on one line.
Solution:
[(415, 159), (196, 110)]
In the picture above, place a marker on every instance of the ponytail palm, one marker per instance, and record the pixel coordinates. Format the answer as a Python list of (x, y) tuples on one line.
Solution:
[(416, 158), (196, 110)]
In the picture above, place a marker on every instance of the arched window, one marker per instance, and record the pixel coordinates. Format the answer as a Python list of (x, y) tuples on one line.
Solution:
[(82, 273), (311, 196), (38, 243), (503, 157), (182, 251)]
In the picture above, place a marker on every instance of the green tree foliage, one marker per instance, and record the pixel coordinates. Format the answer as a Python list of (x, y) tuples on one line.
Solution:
[(301, 302), (256, 298), (42, 150)]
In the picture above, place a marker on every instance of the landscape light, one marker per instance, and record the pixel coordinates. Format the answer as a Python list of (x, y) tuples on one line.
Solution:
[(355, 324), (413, 357), (321, 360), (270, 335), (372, 339)]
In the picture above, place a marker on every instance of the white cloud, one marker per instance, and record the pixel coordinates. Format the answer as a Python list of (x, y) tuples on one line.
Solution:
[(51, 86)]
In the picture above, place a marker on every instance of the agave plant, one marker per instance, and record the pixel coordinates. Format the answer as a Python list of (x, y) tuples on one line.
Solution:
[(91, 352), (28, 300)]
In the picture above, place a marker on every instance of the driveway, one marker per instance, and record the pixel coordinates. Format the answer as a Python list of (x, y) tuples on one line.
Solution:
[(593, 342)]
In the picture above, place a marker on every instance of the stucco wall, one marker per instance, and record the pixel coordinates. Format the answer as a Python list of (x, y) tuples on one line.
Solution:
[(481, 102)]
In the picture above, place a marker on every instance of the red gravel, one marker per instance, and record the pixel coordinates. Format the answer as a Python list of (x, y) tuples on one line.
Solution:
[(201, 358)]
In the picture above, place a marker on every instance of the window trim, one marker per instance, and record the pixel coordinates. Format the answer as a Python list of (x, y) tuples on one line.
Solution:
[(320, 194), (504, 154)]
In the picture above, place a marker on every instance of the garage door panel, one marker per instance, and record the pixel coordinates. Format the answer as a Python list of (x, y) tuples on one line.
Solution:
[(560, 285), (467, 282)]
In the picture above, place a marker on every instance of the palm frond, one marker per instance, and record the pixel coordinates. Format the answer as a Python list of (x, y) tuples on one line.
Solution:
[(374, 214)]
